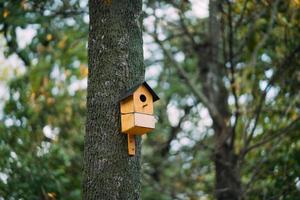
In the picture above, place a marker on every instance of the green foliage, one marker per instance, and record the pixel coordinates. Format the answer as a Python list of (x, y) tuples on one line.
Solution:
[(43, 124), (178, 158), (266, 47)]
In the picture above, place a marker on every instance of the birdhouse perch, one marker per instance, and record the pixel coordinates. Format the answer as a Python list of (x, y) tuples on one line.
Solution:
[(137, 116)]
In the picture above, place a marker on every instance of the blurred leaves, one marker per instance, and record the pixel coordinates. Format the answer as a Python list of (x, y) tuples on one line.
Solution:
[(42, 125), (42, 129)]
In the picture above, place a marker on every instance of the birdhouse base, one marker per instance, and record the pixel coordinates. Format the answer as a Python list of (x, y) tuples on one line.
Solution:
[(137, 123)]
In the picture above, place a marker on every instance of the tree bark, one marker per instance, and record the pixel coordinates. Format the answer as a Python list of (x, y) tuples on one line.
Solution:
[(115, 52)]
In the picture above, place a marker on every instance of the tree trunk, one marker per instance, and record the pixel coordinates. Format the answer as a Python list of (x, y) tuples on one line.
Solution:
[(228, 184), (115, 51)]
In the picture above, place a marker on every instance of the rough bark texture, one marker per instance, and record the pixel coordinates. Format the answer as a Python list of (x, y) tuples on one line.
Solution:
[(115, 63), (228, 185)]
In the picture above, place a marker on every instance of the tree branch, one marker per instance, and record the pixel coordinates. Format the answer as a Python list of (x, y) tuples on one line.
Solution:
[(266, 35), (257, 169), (251, 28), (284, 65), (232, 72), (273, 135), (197, 92), (186, 31), (239, 21)]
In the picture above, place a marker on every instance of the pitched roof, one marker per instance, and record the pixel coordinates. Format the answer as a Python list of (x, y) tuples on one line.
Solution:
[(135, 87)]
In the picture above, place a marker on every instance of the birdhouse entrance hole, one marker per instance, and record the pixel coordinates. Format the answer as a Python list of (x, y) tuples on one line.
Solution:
[(143, 98)]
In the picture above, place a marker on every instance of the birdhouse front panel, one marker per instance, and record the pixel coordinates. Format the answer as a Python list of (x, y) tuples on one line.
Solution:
[(143, 100), (144, 120)]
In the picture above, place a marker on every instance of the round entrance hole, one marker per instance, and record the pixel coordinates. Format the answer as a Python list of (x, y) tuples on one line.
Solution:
[(143, 98)]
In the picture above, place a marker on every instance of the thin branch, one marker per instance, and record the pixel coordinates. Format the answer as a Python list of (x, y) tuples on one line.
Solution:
[(239, 21), (232, 72), (276, 75), (256, 116), (266, 35), (201, 145), (186, 31), (257, 169), (173, 36), (251, 28), (197, 92), (149, 62), (273, 135)]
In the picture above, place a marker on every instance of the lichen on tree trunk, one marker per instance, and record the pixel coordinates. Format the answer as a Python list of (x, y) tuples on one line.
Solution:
[(115, 51)]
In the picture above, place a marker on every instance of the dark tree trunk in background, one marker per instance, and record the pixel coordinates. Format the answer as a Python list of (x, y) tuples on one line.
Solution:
[(115, 63), (227, 185)]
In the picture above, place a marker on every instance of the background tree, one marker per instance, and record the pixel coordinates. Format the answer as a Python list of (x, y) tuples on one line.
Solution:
[(230, 67)]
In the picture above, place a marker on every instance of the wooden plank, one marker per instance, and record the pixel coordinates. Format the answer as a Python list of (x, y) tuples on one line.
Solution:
[(144, 120), (127, 122), (137, 123), (131, 144), (140, 130), (127, 105), (145, 104)]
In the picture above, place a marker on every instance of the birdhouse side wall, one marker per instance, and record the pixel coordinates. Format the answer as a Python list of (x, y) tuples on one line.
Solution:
[(143, 106), (127, 122), (127, 105)]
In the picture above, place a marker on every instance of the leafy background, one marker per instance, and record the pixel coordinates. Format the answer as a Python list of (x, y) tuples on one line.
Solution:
[(43, 77)]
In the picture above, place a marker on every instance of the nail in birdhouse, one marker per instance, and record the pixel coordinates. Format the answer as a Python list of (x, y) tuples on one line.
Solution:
[(137, 116)]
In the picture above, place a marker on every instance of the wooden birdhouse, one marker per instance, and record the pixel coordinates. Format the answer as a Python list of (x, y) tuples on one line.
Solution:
[(137, 116)]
